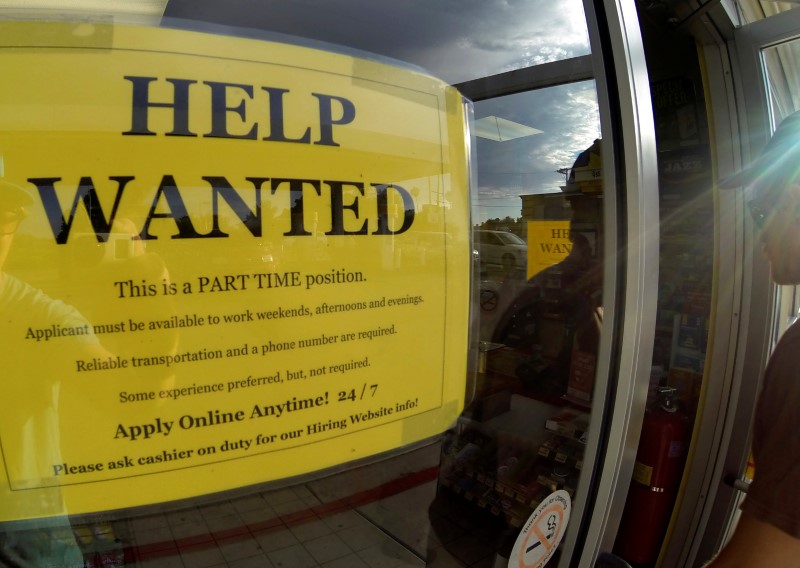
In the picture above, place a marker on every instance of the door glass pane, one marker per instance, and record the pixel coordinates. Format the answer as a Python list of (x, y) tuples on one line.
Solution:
[(537, 218), (459, 498)]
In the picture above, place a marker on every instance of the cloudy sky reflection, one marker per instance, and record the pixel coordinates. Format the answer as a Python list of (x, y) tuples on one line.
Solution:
[(568, 117), (457, 41)]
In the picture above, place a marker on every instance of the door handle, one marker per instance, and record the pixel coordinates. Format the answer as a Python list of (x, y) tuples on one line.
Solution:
[(739, 483)]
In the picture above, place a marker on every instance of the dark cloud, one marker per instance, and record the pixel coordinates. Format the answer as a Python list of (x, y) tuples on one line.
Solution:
[(456, 40)]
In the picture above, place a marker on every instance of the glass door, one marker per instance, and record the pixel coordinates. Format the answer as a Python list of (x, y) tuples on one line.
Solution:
[(538, 232), (565, 277), (555, 403), (766, 88)]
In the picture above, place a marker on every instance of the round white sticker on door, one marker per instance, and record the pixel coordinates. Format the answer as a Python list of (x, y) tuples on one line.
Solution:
[(542, 533)]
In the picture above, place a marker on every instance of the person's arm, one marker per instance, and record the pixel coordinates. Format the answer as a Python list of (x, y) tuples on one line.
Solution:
[(756, 543)]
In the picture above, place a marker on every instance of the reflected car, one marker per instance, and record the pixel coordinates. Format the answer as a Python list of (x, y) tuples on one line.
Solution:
[(501, 248)]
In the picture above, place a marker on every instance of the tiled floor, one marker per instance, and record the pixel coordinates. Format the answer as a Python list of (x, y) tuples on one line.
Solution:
[(379, 516)]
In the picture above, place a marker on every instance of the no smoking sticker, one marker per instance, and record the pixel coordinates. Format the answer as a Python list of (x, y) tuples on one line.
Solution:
[(542, 533)]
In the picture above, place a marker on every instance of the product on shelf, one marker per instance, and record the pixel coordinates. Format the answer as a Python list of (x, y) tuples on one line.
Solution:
[(570, 422)]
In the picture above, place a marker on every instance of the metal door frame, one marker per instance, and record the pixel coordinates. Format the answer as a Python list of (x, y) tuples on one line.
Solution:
[(630, 291), (626, 345)]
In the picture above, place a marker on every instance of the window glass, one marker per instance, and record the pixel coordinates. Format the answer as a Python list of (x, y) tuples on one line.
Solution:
[(743, 12), (459, 499)]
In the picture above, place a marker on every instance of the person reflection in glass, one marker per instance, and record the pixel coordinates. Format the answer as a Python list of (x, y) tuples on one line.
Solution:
[(38, 434), (19, 300), (554, 321)]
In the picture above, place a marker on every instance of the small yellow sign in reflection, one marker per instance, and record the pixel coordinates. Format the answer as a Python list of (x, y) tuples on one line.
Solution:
[(548, 244)]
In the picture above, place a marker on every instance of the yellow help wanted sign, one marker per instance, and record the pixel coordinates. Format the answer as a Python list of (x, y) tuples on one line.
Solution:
[(224, 261)]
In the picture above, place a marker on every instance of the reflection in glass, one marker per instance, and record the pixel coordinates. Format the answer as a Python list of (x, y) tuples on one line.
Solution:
[(538, 234), (561, 121), (454, 40)]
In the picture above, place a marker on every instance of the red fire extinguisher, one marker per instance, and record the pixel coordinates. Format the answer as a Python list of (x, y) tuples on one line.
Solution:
[(656, 477)]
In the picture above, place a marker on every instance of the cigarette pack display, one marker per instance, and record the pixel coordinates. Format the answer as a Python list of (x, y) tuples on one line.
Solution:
[(581, 377), (570, 422)]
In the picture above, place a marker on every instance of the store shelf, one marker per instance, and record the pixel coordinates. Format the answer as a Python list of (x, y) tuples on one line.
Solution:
[(523, 411), (508, 464)]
